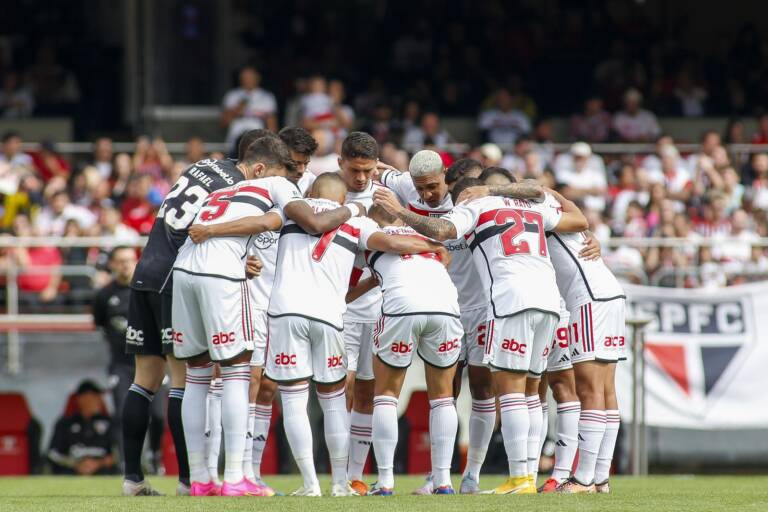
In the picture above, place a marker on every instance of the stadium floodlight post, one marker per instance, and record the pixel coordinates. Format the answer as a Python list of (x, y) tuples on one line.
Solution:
[(638, 436)]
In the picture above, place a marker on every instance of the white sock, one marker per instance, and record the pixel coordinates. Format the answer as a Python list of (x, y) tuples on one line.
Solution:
[(385, 438), (514, 429), (567, 426), (234, 418), (336, 426), (608, 444), (544, 425), (534, 433), (298, 430), (482, 419), (248, 454), (443, 424), (591, 431), (213, 428), (194, 402), (260, 434), (359, 443)]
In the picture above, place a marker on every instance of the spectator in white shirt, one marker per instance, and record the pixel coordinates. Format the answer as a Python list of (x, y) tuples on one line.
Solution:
[(15, 98), (634, 124), (515, 161), (248, 107), (428, 132), (710, 141), (102, 157), (652, 163), (583, 174), (739, 249), (12, 153), (593, 124), (690, 95), (54, 217), (490, 155), (502, 124)]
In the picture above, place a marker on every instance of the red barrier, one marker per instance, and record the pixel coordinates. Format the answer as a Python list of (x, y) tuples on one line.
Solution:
[(417, 415), (14, 441)]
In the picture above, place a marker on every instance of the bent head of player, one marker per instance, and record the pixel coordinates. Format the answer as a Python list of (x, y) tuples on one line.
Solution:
[(267, 156), (496, 176), (359, 155), (302, 146), (329, 186), (248, 138), (463, 184), (383, 217), (428, 175), (462, 168)]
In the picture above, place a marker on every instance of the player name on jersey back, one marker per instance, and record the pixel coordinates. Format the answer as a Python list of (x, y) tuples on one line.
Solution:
[(225, 256), (508, 242), (315, 269), (413, 283), (174, 217), (462, 270)]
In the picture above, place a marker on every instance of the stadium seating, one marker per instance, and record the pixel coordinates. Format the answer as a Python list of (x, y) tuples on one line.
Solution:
[(17, 450)]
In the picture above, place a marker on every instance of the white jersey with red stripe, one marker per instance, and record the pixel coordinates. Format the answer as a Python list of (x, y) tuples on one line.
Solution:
[(314, 269), (367, 308), (413, 283), (508, 242), (462, 269), (580, 281), (264, 247), (225, 256)]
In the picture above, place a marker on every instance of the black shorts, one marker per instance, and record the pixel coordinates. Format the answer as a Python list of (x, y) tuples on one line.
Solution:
[(149, 324)]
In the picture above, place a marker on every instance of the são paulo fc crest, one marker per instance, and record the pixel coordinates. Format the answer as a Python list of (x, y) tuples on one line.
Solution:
[(694, 345)]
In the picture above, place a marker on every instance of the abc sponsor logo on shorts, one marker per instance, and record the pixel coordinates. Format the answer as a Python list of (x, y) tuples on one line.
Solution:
[(335, 361), (614, 341), (134, 336), (223, 338), (283, 359), (178, 337), (167, 335), (401, 347), (513, 346), (449, 346)]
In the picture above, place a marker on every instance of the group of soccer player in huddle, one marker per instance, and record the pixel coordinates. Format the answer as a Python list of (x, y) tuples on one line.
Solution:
[(260, 276)]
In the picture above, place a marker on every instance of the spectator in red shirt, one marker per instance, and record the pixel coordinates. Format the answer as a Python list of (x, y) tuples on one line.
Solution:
[(40, 287), (137, 210), (761, 136), (48, 163)]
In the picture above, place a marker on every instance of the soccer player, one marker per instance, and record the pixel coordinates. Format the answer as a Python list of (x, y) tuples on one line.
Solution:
[(212, 312), (508, 242), (305, 325), (420, 314), (149, 331), (595, 301), (424, 191)]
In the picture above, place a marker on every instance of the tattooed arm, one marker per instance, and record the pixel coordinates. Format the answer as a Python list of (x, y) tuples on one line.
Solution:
[(435, 228), (526, 189)]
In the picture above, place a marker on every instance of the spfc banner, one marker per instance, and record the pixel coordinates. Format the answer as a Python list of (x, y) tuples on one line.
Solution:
[(706, 356)]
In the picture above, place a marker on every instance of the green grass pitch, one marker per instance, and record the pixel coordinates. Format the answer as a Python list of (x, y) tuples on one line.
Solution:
[(655, 494)]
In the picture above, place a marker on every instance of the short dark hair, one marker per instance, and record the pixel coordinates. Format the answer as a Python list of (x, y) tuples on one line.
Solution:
[(116, 250), (9, 135), (360, 145), (463, 184), (298, 139), (247, 138), (461, 167), (493, 171), (270, 151), (378, 212)]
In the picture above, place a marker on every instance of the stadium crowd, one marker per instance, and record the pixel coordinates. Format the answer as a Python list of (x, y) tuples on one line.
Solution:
[(706, 194)]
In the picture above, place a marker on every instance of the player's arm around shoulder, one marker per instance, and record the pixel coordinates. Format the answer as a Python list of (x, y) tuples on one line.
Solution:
[(572, 220), (321, 222), (245, 226), (526, 189), (435, 228)]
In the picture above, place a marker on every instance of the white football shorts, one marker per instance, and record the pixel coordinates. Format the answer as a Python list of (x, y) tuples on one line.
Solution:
[(558, 353), (598, 332), (518, 341), (436, 338), (358, 338), (260, 334), (300, 348), (475, 324), (210, 314)]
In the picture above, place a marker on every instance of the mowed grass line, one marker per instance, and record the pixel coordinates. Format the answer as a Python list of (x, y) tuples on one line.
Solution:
[(656, 494)]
